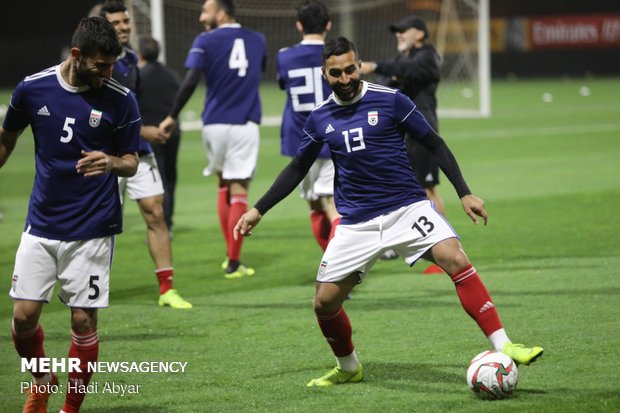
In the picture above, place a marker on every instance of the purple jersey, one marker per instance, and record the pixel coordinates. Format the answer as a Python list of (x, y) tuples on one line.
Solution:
[(127, 73), (299, 73), (365, 138), (232, 59), (65, 205)]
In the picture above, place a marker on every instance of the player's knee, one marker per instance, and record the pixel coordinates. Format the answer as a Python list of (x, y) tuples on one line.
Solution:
[(324, 305), (83, 320)]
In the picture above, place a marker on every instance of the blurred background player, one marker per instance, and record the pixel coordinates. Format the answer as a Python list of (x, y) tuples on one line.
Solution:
[(232, 59), (146, 186), (415, 72), (158, 86), (365, 140), (298, 70), (86, 130)]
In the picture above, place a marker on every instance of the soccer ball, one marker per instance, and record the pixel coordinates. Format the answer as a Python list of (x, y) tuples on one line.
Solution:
[(492, 375)]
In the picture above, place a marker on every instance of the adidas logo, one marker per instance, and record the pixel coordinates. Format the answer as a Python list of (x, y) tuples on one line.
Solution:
[(43, 111), (329, 128), (487, 306)]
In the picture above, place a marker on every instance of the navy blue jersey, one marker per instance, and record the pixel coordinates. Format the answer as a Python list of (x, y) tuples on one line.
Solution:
[(127, 73), (232, 59), (65, 205), (365, 138), (299, 73)]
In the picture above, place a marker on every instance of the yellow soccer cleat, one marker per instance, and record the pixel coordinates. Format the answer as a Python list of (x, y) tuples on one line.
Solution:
[(337, 376), (37, 400), (521, 354), (225, 263), (242, 271), (174, 300)]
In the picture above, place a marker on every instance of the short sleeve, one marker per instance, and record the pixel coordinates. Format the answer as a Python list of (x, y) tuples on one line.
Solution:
[(197, 55), (16, 116), (409, 117), (127, 134)]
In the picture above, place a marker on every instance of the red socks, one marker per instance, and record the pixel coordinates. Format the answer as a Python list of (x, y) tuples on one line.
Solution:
[(30, 344), (238, 207), (321, 227), (86, 348), (223, 210), (335, 223), (164, 277), (336, 329), (476, 300)]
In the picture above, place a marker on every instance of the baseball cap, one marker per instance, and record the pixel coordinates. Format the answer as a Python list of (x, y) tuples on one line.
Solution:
[(408, 23)]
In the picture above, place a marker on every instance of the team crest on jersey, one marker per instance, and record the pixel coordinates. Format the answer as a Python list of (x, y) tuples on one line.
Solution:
[(373, 117), (95, 118)]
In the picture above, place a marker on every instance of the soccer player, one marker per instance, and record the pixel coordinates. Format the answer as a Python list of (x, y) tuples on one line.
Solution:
[(232, 59), (382, 205), (299, 73), (146, 186), (415, 72), (86, 131)]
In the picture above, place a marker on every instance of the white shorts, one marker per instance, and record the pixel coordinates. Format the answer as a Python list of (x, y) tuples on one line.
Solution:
[(410, 230), (319, 181), (146, 183), (81, 267), (232, 150)]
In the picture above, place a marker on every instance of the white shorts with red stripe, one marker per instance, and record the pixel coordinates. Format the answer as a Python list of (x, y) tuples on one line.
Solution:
[(411, 231), (82, 268)]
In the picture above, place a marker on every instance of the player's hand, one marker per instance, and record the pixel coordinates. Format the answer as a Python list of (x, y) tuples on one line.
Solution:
[(168, 124), (368, 67), (246, 223), (154, 135), (94, 163), (474, 207)]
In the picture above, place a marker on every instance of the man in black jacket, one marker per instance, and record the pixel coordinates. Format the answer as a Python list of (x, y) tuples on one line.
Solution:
[(415, 72), (158, 86)]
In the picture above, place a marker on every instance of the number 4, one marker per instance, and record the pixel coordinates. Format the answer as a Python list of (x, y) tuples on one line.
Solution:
[(238, 59)]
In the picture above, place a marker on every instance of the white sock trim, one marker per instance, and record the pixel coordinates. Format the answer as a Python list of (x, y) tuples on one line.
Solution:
[(498, 339), (348, 363)]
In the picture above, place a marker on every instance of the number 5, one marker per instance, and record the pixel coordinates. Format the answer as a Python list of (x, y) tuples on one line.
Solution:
[(94, 287), (67, 128)]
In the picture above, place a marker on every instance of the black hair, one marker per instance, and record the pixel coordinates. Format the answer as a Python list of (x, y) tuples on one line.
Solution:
[(313, 16), (96, 35), (338, 47), (112, 6), (228, 6), (148, 48)]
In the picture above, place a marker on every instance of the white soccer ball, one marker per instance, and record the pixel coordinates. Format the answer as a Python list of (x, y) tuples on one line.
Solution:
[(492, 375)]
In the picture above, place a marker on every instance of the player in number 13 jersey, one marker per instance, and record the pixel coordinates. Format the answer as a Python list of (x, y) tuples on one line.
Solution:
[(382, 205)]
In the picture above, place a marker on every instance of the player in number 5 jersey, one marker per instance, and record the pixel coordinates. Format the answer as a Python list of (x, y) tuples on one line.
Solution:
[(299, 73), (382, 205), (232, 59), (86, 128)]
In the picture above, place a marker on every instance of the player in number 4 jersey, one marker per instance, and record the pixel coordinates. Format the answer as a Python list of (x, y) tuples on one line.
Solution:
[(232, 59), (86, 129), (299, 73), (382, 205)]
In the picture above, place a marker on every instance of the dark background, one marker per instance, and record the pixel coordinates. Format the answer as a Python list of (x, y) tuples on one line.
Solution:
[(33, 34)]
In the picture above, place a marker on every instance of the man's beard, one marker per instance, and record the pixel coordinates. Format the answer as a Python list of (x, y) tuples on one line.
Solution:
[(350, 92), (86, 77)]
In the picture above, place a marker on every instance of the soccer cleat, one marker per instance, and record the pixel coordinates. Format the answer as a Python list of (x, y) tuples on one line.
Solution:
[(433, 269), (337, 376), (388, 255), (225, 263), (37, 400), (521, 354), (241, 271), (174, 300)]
